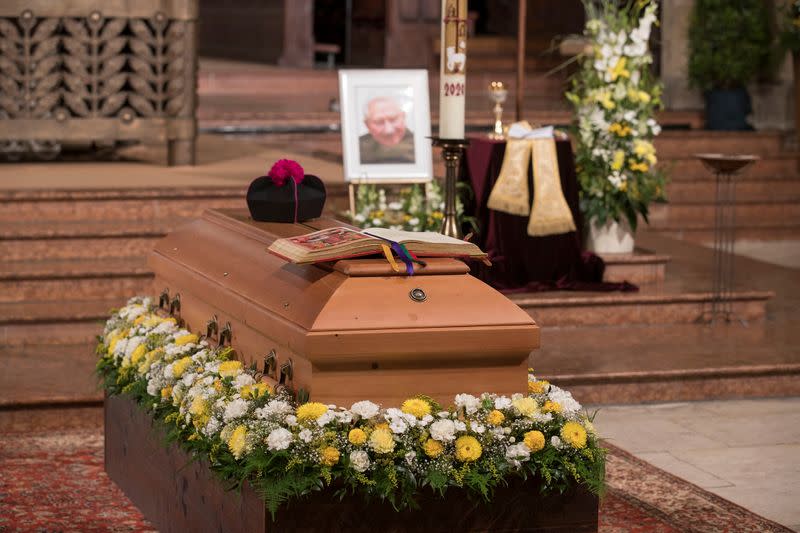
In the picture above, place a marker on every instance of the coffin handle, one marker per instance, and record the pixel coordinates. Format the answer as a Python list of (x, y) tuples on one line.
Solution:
[(175, 305), (212, 327), (163, 300), (225, 335), (287, 372), (271, 364)]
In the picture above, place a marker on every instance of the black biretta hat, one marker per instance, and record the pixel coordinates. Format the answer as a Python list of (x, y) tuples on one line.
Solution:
[(286, 194)]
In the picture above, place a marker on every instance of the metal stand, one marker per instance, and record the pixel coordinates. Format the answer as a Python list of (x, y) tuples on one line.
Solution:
[(724, 168), (452, 152)]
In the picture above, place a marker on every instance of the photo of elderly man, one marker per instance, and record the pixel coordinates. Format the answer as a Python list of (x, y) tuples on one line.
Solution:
[(388, 140)]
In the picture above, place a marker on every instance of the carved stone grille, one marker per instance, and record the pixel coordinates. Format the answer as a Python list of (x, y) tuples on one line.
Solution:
[(97, 77)]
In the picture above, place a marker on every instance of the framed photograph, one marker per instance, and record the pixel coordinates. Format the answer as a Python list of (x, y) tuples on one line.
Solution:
[(386, 122)]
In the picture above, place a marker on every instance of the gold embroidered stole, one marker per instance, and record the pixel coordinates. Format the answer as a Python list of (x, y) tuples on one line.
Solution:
[(510, 192), (549, 212)]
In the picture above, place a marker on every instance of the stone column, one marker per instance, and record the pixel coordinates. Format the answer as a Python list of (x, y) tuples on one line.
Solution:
[(675, 17), (298, 34)]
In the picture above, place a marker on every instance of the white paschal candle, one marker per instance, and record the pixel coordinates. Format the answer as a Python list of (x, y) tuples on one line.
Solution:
[(452, 84)]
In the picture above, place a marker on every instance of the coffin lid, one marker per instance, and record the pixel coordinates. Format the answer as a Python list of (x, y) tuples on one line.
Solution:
[(223, 257)]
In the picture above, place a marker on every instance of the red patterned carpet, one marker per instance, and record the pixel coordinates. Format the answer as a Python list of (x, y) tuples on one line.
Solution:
[(54, 482)]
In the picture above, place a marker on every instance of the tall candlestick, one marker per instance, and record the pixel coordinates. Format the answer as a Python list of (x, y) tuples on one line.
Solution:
[(452, 84)]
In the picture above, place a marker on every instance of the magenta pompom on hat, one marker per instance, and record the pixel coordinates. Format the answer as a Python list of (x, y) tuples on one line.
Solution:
[(286, 194)]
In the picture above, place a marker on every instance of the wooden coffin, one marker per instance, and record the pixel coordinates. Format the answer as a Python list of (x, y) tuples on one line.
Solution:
[(343, 331), (177, 495)]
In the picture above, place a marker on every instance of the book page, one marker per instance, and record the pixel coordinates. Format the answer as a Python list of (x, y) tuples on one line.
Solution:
[(327, 238), (406, 236)]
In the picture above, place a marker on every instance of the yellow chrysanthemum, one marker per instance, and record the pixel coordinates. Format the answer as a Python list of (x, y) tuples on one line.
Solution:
[(149, 358), (416, 407), (357, 436), (644, 97), (551, 407), (534, 440), (137, 354), (574, 434), (311, 411), (238, 441), (382, 425), (113, 344), (468, 448), (381, 441), (199, 411), (229, 369), (495, 418), (619, 160), (538, 387), (186, 339), (140, 319), (433, 448), (329, 456), (256, 390), (526, 406), (180, 366), (166, 392)]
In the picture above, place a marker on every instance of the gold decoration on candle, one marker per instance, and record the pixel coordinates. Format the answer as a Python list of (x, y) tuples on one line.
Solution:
[(498, 94)]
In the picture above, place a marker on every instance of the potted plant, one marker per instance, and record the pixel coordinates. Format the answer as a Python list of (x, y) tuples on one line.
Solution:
[(615, 96), (729, 46)]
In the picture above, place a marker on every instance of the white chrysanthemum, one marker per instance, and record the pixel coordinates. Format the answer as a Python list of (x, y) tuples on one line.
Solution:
[(502, 402), (212, 427), (411, 457), (443, 430), (326, 417), (478, 428), (360, 460), (242, 380), (274, 408), (398, 426), (365, 409), (235, 409), (555, 442), (517, 453), (279, 439), (305, 435), (468, 402), (569, 406)]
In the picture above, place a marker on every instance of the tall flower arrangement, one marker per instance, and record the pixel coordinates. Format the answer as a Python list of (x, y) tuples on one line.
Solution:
[(615, 97), (223, 413)]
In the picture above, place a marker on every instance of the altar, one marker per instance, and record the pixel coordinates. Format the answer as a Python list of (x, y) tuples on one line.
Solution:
[(522, 263)]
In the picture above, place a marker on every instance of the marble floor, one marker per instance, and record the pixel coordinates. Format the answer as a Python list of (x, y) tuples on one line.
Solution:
[(747, 451)]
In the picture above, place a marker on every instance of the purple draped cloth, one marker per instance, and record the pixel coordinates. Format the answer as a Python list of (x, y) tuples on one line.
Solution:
[(521, 263)]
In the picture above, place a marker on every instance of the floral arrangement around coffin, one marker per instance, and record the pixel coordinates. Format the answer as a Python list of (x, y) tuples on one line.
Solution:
[(221, 412), (615, 97)]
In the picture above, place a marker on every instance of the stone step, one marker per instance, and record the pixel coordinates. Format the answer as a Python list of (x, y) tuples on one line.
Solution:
[(115, 205), (777, 167), (680, 362), (683, 144), (73, 279), (560, 309), (54, 322), (640, 267), (747, 190), (38, 375), (701, 215), (705, 234)]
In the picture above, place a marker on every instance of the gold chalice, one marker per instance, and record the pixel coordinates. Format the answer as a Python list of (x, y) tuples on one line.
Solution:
[(498, 94)]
